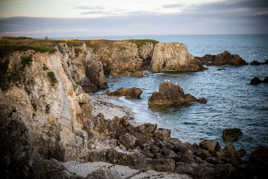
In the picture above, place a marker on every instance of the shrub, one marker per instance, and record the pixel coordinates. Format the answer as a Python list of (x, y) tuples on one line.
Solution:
[(45, 68), (52, 78), (26, 60)]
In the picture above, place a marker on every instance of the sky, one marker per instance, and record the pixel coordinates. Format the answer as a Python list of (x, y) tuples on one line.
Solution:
[(73, 18)]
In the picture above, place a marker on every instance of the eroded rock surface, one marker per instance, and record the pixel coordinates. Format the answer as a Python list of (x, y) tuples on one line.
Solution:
[(170, 57), (171, 95), (232, 134)]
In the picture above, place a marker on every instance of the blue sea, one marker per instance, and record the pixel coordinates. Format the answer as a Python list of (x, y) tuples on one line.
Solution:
[(231, 101)]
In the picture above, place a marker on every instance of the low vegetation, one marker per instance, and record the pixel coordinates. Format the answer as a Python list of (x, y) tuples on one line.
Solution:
[(141, 42), (26, 60), (52, 78)]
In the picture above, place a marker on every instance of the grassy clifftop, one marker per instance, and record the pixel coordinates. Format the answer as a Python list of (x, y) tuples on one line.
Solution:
[(11, 44)]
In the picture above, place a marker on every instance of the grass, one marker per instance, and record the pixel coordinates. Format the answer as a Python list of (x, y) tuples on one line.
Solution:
[(26, 60), (141, 42), (52, 78)]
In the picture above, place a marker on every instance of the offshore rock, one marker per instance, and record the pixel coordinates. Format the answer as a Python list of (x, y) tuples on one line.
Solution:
[(224, 58), (137, 74), (128, 92), (171, 95), (232, 134), (169, 57)]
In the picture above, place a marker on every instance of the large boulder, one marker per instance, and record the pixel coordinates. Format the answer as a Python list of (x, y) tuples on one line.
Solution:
[(230, 135), (128, 92), (173, 57), (211, 145), (224, 58), (171, 95), (256, 81), (137, 74)]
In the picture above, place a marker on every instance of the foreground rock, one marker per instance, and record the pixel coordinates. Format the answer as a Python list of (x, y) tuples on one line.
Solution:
[(225, 58), (128, 92), (256, 81), (169, 57), (171, 95), (230, 135)]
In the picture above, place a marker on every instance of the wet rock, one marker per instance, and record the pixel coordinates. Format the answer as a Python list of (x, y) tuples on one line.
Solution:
[(168, 57), (211, 145), (128, 92), (163, 134), (255, 62), (241, 153), (230, 135), (265, 80), (137, 74), (171, 95), (147, 128), (225, 58), (255, 81)]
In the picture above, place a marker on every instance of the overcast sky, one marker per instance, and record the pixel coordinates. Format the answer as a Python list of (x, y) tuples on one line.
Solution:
[(132, 17)]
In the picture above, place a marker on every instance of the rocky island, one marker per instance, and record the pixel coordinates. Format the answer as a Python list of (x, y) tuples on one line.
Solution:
[(53, 127)]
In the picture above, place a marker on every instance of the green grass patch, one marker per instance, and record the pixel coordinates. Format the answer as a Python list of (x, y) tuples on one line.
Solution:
[(45, 68), (141, 42), (26, 60), (52, 78)]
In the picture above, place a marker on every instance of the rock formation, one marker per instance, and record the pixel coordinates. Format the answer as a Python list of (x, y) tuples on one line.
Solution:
[(128, 92), (48, 117), (256, 63), (171, 95), (173, 57), (232, 134), (224, 58), (256, 81)]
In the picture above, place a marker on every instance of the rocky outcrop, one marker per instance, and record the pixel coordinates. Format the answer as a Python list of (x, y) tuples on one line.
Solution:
[(224, 58), (137, 74), (256, 63), (232, 134), (128, 92), (256, 81), (171, 95), (169, 57)]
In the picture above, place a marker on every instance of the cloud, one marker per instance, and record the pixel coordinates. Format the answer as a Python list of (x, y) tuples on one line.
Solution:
[(172, 5)]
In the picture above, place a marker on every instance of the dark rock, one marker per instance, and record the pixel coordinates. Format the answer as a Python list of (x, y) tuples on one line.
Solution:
[(230, 135), (255, 81), (230, 154), (211, 145), (255, 62), (147, 128), (241, 153), (265, 80), (128, 92), (128, 140), (163, 134), (171, 95), (224, 58)]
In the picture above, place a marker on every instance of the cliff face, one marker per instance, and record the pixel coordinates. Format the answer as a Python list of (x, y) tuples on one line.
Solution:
[(173, 57), (47, 111)]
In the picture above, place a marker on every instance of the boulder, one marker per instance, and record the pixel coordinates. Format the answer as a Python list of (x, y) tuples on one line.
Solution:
[(171, 95), (255, 62), (128, 92), (225, 58), (232, 134), (163, 134), (230, 154), (265, 80), (255, 81), (211, 145), (169, 57), (128, 140)]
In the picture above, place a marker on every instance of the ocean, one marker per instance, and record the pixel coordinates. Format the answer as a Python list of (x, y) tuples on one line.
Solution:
[(231, 101)]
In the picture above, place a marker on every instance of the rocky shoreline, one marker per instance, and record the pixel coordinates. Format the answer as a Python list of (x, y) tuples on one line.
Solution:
[(49, 116)]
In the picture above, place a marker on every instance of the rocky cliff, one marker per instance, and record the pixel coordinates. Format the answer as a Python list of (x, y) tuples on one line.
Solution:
[(48, 115)]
